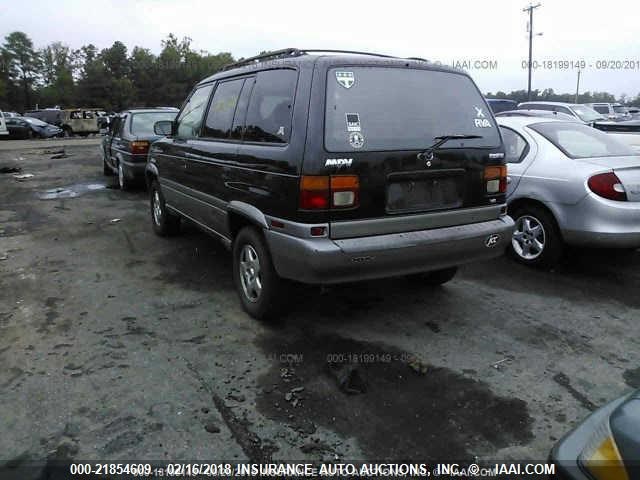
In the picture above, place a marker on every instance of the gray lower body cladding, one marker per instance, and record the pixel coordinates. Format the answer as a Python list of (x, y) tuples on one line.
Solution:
[(324, 260)]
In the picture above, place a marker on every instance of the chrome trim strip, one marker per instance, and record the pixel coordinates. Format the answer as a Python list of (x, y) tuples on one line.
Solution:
[(408, 223)]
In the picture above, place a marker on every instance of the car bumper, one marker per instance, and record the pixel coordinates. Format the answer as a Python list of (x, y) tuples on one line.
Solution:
[(597, 222), (324, 260), (565, 453), (135, 168)]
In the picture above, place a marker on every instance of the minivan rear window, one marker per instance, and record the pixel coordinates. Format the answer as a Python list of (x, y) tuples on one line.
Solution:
[(387, 108)]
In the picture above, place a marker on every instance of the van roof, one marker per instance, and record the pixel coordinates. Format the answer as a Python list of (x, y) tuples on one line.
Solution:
[(297, 57)]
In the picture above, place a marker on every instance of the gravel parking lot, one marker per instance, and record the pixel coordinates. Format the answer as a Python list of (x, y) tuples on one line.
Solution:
[(118, 344)]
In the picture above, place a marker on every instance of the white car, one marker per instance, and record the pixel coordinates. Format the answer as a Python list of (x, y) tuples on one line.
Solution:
[(3, 125)]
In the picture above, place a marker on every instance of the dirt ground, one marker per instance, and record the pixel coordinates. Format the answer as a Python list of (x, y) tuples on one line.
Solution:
[(118, 344)]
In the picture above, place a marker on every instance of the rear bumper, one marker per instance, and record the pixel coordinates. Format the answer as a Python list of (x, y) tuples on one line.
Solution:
[(597, 222), (324, 260)]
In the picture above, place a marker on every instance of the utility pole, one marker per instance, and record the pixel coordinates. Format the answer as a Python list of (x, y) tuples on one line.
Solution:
[(530, 9), (577, 87)]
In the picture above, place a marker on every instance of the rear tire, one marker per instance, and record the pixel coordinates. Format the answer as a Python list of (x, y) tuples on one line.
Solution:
[(536, 241), (258, 285), (164, 223), (123, 181), (434, 278)]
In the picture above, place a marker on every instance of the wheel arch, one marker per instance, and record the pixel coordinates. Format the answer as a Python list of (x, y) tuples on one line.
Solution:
[(522, 202), (241, 214)]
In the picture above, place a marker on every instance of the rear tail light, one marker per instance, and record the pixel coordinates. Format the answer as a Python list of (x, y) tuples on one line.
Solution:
[(325, 192), (139, 146), (495, 177), (608, 185)]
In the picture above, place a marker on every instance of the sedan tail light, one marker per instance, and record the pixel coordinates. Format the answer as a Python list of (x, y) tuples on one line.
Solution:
[(139, 146), (608, 185)]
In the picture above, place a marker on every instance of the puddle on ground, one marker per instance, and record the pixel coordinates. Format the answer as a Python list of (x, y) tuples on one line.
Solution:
[(70, 191), (398, 408)]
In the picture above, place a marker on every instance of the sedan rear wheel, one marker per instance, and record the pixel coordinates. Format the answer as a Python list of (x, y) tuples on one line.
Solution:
[(536, 240)]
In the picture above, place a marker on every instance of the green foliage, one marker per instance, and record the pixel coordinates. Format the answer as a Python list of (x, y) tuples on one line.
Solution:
[(111, 79)]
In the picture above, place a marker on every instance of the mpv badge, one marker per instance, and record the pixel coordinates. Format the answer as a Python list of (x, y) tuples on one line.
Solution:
[(492, 240)]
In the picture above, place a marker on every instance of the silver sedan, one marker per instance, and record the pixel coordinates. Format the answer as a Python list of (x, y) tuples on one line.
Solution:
[(568, 184)]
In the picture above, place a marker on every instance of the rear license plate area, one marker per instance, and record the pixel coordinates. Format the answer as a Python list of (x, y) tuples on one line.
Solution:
[(425, 193)]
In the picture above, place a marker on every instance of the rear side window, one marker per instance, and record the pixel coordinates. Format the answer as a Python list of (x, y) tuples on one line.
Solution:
[(271, 106), (515, 146), (142, 123), (601, 108), (581, 141), (384, 108), (221, 111), (190, 118)]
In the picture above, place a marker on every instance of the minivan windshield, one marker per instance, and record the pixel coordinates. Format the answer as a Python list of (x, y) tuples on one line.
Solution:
[(387, 108), (142, 123), (581, 141)]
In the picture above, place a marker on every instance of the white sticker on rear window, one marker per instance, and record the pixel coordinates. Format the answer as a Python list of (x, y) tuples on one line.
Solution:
[(346, 79), (481, 120), (356, 140), (353, 122)]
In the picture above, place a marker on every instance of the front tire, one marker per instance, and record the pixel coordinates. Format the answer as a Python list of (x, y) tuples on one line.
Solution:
[(258, 285), (536, 240), (164, 223)]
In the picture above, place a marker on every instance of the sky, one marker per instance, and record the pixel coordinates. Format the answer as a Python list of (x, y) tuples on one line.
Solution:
[(488, 38)]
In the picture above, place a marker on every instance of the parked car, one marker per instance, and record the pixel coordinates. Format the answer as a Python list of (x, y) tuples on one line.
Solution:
[(18, 128), (579, 112), (568, 184), (605, 445), (501, 104), (538, 113), (52, 116), (3, 125), (42, 129), (626, 131), (126, 143), (328, 168), (634, 112), (613, 111)]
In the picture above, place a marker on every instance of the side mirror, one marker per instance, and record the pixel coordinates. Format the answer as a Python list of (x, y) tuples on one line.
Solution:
[(163, 127)]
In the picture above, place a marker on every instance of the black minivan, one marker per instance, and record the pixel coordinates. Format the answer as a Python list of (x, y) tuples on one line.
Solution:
[(328, 167)]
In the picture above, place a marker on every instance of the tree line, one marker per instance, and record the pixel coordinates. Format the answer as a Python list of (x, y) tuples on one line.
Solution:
[(115, 78), (111, 79)]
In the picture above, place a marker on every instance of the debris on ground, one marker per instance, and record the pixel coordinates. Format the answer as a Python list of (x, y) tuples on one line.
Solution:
[(417, 366), (10, 169), (115, 220), (23, 176), (53, 151), (348, 377), (497, 365), (59, 154), (315, 446), (236, 397), (4, 256), (212, 427)]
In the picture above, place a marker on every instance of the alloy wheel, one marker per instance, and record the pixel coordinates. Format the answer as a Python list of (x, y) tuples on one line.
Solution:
[(529, 237), (157, 208), (250, 275)]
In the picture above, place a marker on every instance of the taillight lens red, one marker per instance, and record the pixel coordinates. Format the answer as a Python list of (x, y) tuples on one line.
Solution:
[(139, 146), (321, 192), (495, 177), (608, 185)]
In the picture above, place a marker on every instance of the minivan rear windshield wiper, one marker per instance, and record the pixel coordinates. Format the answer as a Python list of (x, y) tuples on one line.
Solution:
[(445, 138)]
